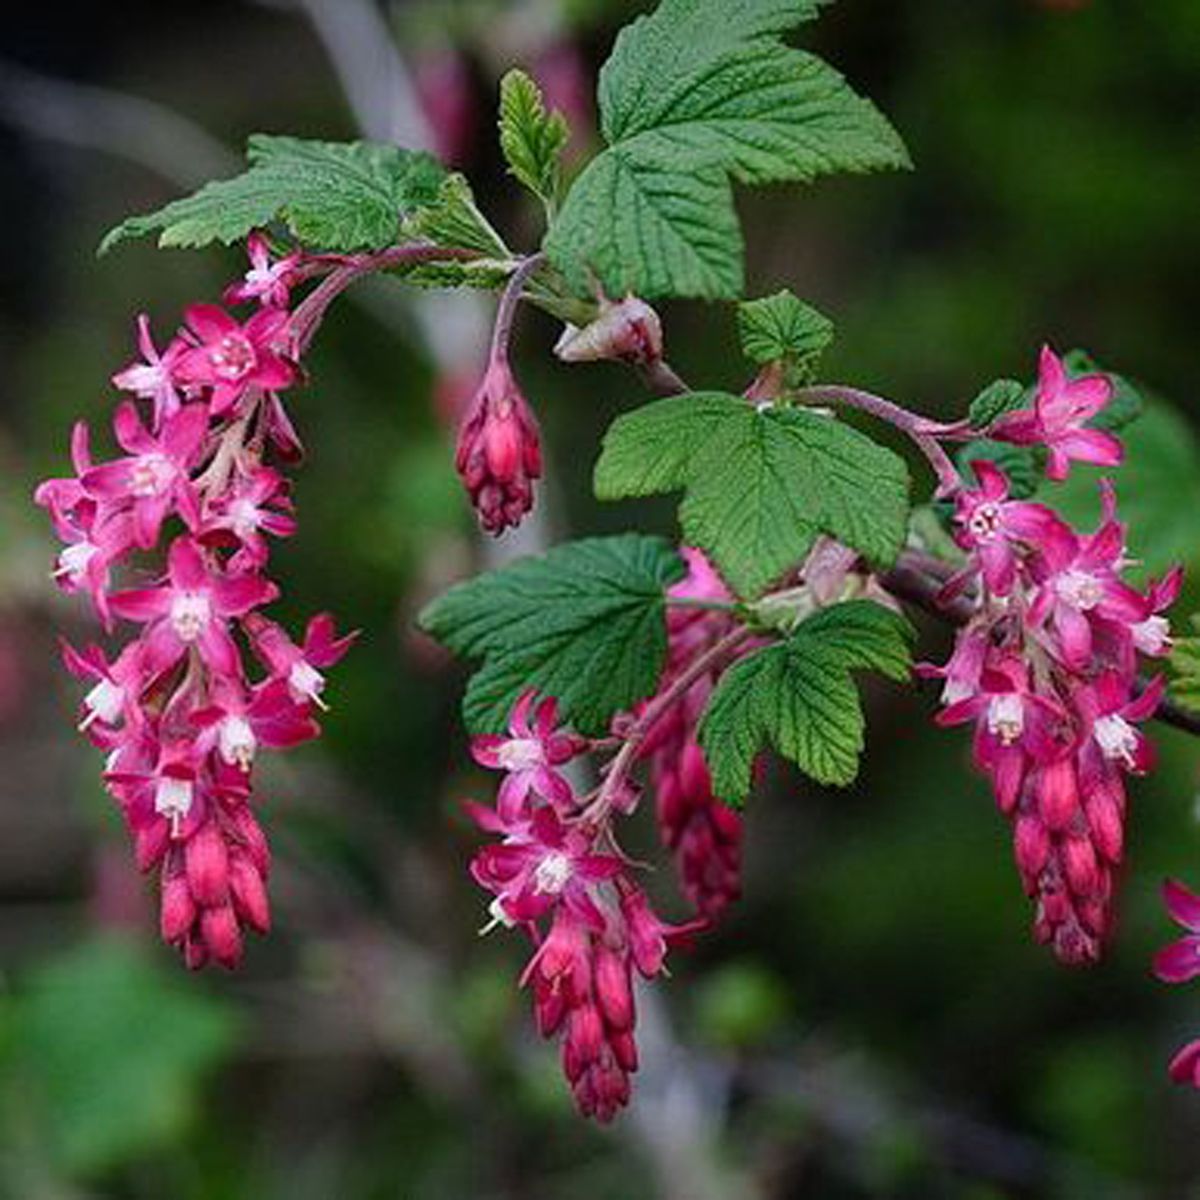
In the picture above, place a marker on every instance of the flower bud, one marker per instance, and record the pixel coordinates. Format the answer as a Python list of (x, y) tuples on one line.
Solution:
[(628, 331)]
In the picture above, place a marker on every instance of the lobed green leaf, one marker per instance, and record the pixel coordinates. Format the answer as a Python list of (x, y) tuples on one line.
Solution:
[(584, 623), (336, 196), (760, 484), (782, 327), (798, 696)]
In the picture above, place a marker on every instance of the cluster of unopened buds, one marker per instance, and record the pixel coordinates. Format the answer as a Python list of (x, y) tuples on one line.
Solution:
[(559, 873), (176, 710)]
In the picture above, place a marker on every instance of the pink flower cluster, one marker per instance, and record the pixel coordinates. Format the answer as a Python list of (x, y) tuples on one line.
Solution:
[(704, 834), (1047, 667), (557, 873), (176, 710), (1179, 963)]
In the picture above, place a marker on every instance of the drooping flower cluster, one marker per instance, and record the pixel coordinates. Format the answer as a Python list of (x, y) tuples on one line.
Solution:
[(1047, 667), (704, 834), (176, 710), (558, 874)]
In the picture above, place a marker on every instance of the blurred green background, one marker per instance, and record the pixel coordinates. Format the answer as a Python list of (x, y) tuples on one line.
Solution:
[(873, 1020)]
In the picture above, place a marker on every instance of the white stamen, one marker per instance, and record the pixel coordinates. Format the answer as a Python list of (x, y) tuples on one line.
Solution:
[(984, 523), (1006, 717), (520, 754), (499, 917), (190, 612), (244, 517), (1079, 589), (1152, 636), (151, 475), (73, 561), (104, 703), (232, 357), (552, 873), (236, 742), (306, 681), (173, 798), (1116, 738)]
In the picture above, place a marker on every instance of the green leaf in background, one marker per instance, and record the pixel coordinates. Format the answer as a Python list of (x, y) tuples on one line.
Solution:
[(1184, 665), (531, 138), (1158, 490), (114, 1050), (798, 695), (999, 397), (781, 328), (584, 623), (760, 484), (695, 92), (340, 196)]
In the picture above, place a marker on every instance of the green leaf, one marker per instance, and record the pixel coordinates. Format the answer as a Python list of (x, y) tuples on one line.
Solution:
[(760, 484), (1184, 670), (1000, 397), (452, 219), (531, 138), (783, 328), (337, 196), (584, 623), (798, 696), (116, 1050), (693, 93)]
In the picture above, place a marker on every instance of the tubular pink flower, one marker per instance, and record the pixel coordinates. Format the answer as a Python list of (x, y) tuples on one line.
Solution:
[(267, 282), (156, 377), (1058, 420)]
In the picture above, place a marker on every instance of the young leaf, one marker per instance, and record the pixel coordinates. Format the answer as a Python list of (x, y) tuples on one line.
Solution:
[(453, 219), (695, 92), (760, 485), (338, 196), (1000, 397), (531, 138), (782, 328), (584, 623), (798, 695)]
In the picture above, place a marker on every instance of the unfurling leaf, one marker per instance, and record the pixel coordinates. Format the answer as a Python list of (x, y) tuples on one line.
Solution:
[(531, 138), (781, 328), (584, 623), (798, 696)]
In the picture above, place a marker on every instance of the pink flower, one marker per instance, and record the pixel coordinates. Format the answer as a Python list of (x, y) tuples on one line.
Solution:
[(153, 480), (1108, 717), (193, 609), (256, 502), (238, 722), (1180, 961), (1058, 420), (115, 691), (156, 377), (529, 755), (993, 527), (541, 864), (267, 282), (232, 358), (498, 454), (298, 665), (1152, 636)]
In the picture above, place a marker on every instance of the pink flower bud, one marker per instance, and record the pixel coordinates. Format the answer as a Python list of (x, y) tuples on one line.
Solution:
[(628, 331), (222, 934), (177, 910), (207, 863), (613, 991), (498, 454), (1058, 794), (249, 895)]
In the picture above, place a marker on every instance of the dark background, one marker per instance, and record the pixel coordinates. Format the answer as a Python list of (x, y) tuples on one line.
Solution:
[(874, 1019)]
